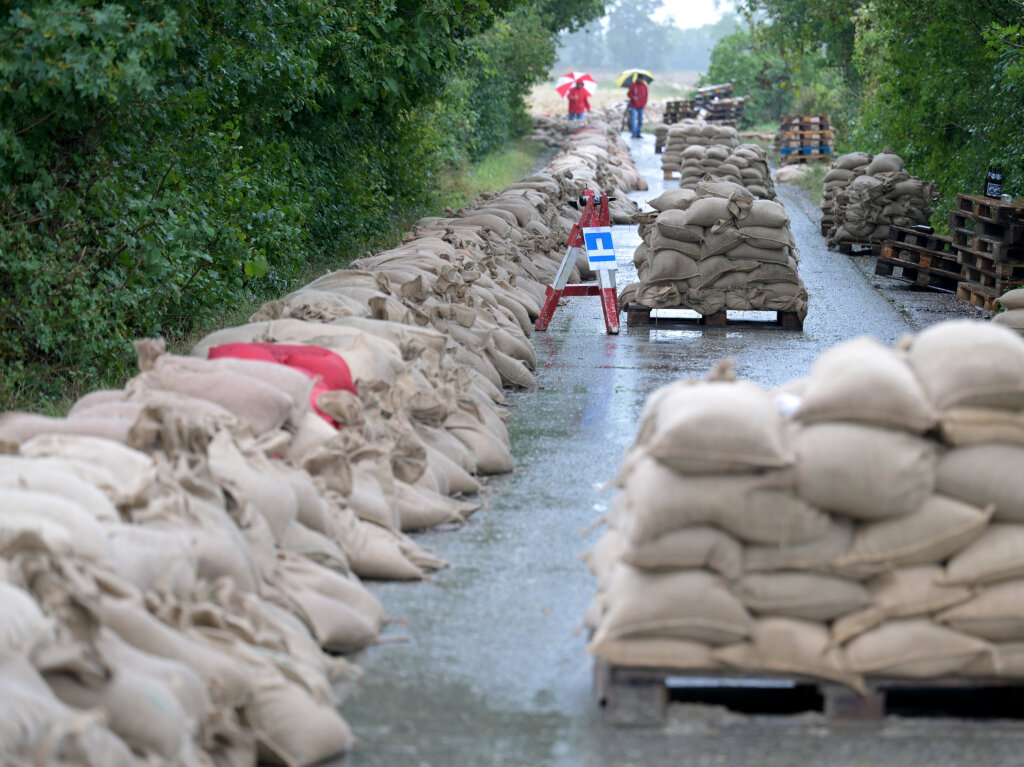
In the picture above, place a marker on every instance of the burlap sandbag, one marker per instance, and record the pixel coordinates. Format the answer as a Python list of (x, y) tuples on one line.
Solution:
[(713, 427), (676, 225), (864, 472), (1012, 299), (130, 472), (696, 547), (1013, 318), (766, 213), (983, 475), (996, 614), (36, 726), (980, 425), (864, 381), (757, 508), (807, 596), (913, 647), (968, 363), (819, 554), (644, 652), (1005, 659), (689, 604), (905, 592), (997, 555), (22, 623), (25, 511), (942, 526), (42, 475), (789, 646)]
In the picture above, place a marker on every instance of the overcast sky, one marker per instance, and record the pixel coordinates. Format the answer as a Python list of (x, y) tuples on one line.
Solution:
[(694, 13)]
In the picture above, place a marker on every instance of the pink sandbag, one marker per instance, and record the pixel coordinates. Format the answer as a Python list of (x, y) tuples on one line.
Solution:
[(325, 367)]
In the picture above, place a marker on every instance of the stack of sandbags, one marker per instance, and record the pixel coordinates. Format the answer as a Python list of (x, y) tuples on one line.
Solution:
[(178, 557), (716, 247), (844, 170), (688, 133), (862, 522), (746, 165), (884, 195), (1012, 314)]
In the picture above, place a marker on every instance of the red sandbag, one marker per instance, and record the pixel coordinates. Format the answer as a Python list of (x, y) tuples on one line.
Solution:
[(325, 367)]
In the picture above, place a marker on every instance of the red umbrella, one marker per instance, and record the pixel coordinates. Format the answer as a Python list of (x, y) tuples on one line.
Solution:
[(567, 82)]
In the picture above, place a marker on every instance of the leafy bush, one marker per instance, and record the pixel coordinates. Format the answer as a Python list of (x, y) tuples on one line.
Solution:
[(162, 161)]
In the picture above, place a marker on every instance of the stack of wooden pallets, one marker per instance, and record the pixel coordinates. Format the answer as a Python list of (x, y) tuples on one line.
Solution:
[(988, 235), (716, 104), (678, 109), (804, 138), (920, 257)]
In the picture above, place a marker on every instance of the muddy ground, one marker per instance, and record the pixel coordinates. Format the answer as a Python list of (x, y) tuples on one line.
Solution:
[(494, 671)]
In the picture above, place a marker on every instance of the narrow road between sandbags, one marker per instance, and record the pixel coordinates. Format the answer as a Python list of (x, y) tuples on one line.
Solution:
[(495, 671)]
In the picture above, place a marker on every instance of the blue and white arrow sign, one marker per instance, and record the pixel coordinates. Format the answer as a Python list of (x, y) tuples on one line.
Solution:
[(600, 249)]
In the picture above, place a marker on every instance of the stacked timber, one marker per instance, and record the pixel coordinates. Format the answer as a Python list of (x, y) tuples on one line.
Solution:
[(988, 236), (804, 138)]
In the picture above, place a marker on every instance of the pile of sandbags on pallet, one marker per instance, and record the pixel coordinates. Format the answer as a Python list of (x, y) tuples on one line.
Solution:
[(716, 247), (746, 165), (866, 194), (182, 561), (687, 133), (866, 521), (1012, 314)]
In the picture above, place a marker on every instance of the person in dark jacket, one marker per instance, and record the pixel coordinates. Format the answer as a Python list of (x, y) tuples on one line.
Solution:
[(637, 95), (579, 101)]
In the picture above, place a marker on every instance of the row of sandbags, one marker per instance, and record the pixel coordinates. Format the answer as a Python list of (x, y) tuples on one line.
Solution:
[(691, 132), (182, 561), (866, 521), (716, 247), (746, 165), (865, 194)]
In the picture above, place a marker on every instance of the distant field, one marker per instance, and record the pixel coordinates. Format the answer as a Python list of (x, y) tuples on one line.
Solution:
[(544, 100)]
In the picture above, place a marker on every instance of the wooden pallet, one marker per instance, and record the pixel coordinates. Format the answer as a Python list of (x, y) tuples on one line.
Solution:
[(803, 119), (640, 696), (993, 211), (1002, 270), (855, 248), (975, 295), (824, 228), (671, 174), (805, 151), (805, 135), (916, 267), (637, 314), (796, 159), (1007, 245)]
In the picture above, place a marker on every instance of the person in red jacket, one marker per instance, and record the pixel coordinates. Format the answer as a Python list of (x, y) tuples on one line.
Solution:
[(637, 95), (579, 102)]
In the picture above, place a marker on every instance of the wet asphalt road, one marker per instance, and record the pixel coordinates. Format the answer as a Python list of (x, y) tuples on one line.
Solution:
[(495, 671)]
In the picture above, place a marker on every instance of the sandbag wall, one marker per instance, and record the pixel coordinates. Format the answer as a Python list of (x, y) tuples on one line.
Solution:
[(694, 133), (864, 522), (182, 561), (746, 165), (716, 247), (865, 194)]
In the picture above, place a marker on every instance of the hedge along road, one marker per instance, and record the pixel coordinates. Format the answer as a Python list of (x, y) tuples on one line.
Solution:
[(495, 672)]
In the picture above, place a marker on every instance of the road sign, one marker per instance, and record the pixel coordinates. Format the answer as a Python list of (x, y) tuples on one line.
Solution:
[(600, 248)]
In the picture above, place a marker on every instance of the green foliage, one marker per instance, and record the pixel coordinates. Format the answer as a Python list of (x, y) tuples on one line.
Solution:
[(162, 161), (941, 83)]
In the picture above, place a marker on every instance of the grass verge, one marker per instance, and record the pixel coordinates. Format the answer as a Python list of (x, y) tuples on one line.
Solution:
[(814, 180), (457, 188)]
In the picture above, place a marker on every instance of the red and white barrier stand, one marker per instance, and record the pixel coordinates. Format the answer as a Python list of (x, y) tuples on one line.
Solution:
[(594, 232)]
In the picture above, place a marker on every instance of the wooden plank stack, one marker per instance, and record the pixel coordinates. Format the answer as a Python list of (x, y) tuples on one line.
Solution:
[(988, 235), (921, 257), (804, 138)]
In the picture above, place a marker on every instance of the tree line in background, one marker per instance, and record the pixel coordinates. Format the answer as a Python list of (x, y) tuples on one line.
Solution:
[(629, 37), (940, 82), (160, 160)]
